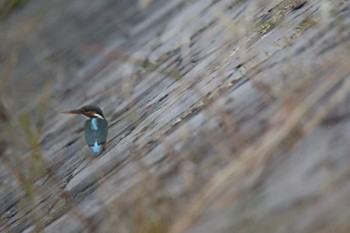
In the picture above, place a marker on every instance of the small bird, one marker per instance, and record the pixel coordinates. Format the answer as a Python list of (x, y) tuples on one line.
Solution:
[(95, 128)]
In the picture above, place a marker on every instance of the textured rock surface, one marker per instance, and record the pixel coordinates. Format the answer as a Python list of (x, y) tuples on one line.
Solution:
[(225, 116)]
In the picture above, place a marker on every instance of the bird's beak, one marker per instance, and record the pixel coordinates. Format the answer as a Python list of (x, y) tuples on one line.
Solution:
[(74, 111)]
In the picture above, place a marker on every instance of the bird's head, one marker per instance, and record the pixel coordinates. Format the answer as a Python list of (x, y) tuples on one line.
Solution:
[(89, 111)]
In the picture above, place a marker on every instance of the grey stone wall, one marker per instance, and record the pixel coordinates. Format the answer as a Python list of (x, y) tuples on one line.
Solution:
[(225, 116)]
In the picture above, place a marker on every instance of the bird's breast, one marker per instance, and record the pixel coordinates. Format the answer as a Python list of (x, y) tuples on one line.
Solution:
[(94, 125), (96, 131)]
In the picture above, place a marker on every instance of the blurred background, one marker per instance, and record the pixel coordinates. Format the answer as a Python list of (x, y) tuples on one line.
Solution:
[(224, 116)]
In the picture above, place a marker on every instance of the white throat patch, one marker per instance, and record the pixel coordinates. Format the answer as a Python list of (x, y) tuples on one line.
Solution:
[(98, 116)]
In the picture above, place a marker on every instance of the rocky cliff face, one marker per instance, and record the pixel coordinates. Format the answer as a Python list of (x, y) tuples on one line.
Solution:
[(225, 116)]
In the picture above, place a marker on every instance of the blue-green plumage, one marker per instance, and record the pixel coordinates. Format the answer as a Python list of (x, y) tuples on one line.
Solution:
[(95, 129)]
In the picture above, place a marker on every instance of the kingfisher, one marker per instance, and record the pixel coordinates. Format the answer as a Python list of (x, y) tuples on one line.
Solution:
[(95, 128)]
